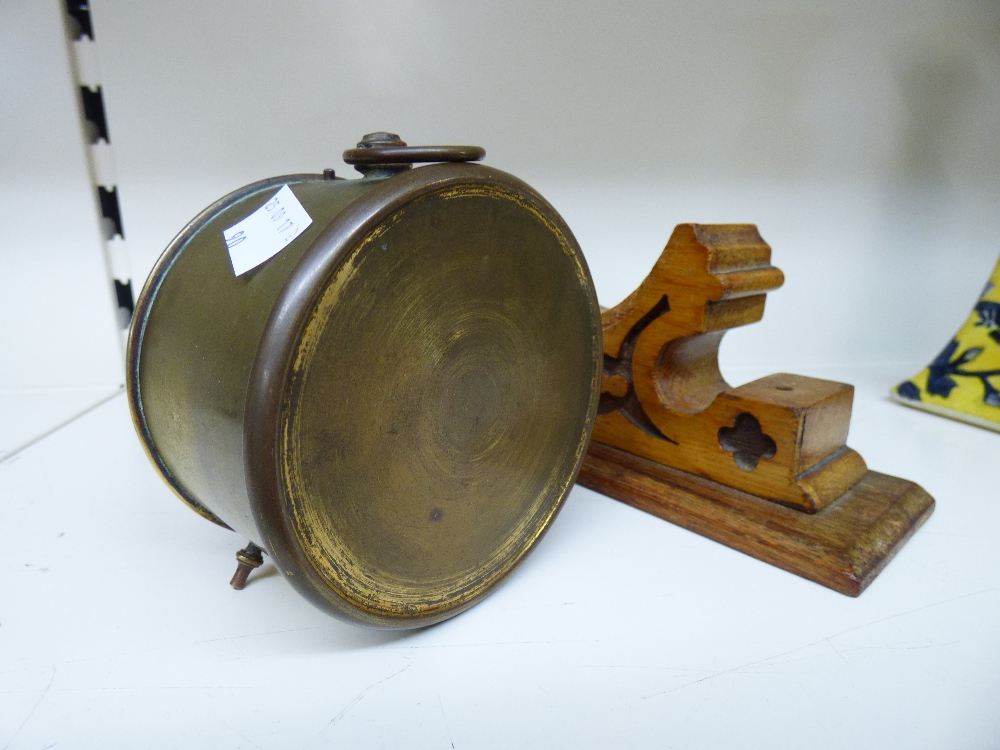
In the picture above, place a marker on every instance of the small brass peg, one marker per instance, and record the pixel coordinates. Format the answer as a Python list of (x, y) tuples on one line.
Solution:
[(248, 558)]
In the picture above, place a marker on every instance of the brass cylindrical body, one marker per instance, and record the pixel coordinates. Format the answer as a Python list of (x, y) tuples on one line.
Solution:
[(394, 406)]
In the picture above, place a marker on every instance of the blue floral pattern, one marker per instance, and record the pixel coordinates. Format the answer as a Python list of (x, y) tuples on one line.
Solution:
[(963, 381), (947, 366), (989, 316)]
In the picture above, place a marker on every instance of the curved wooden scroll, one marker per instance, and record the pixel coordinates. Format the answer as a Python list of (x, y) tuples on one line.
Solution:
[(663, 397)]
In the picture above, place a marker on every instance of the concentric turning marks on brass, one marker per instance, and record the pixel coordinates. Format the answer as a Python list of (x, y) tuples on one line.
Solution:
[(439, 401)]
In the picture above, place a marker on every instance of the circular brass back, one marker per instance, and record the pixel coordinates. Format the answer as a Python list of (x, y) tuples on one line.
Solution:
[(423, 396)]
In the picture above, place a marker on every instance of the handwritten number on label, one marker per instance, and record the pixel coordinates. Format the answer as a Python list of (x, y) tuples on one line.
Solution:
[(236, 239), (266, 231)]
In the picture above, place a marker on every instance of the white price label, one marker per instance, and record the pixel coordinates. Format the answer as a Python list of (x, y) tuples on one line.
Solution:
[(267, 231)]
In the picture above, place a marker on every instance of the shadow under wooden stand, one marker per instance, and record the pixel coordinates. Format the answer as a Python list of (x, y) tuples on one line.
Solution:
[(763, 468)]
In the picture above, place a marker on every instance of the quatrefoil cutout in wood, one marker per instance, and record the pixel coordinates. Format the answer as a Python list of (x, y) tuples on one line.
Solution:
[(747, 442)]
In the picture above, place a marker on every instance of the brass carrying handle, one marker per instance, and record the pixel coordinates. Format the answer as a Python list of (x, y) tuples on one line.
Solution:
[(375, 154)]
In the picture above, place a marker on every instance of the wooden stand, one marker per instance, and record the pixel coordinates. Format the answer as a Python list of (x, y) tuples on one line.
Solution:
[(762, 468)]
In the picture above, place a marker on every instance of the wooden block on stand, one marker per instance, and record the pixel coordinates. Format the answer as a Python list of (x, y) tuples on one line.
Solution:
[(763, 468)]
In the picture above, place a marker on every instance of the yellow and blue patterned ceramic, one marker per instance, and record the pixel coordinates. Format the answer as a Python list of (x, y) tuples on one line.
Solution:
[(963, 381)]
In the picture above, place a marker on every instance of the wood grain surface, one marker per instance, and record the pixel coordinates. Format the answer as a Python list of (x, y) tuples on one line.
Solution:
[(673, 438), (845, 546)]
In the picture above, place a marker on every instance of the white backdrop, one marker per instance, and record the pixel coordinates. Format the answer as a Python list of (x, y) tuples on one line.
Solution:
[(860, 137), (60, 350), (57, 325)]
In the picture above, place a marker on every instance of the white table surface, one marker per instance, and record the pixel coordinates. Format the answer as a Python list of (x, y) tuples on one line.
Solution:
[(118, 627)]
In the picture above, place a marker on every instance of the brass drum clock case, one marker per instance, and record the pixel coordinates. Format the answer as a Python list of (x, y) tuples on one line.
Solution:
[(395, 406)]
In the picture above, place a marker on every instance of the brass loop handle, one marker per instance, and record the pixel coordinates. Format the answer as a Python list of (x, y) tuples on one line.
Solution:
[(412, 154)]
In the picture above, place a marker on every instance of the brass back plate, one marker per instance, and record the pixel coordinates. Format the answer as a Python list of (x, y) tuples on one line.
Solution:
[(423, 396)]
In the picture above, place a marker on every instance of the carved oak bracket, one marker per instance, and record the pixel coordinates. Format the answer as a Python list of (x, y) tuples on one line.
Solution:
[(780, 440)]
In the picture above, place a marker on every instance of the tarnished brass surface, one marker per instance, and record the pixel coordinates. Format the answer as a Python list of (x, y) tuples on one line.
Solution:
[(194, 337), (396, 405)]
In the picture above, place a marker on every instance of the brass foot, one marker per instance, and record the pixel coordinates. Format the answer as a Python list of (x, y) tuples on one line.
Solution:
[(248, 558)]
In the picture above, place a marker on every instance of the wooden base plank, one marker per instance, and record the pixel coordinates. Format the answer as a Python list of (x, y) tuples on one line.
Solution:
[(844, 546)]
